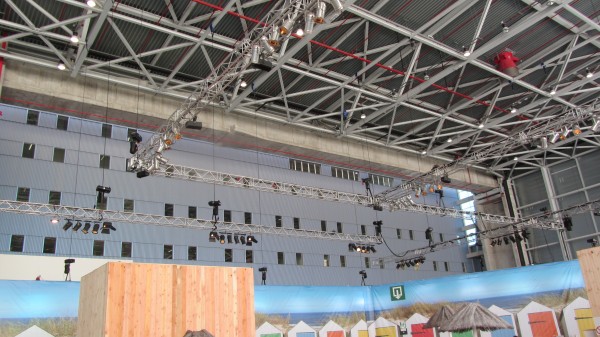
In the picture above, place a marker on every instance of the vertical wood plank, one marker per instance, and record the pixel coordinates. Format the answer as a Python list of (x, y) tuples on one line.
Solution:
[(589, 261)]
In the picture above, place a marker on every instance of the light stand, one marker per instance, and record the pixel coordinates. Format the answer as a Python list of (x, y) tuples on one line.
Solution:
[(68, 269), (363, 275), (263, 270)]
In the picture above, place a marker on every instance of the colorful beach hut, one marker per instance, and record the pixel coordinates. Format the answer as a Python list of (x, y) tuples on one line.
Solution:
[(332, 329), (414, 326), (383, 327), (302, 330), (537, 320), (34, 331), (508, 317), (268, 330), (578, 319), (360, 329)]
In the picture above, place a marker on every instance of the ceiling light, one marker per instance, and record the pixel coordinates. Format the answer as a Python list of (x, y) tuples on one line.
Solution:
[(554, 137), (67, 225), (74, 38), (449, 140), (596, 124), (309, 23), (588, 73), (320, 12), (516, 158), (337, 5), (564, 133), (426, 77), (553, 92), (363, 116), (221, 101), (550, 3), (61, 66), (466, 52), (481, 126), (54, 220), (91, 3), (576, 130), (424, 152), (300, 32), (286, 26), (543, 143), (243, 84), (513, 110), (504, 27)]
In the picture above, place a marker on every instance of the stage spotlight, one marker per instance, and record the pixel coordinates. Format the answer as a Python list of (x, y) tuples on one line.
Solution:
[(373, 249), (525, 234), (512, 238), (236, 238), (67, 225), (554, 137), (54, 220), (588, 73), (242, 239), (86, 228), (595, 124), (229, 238), (351, 247), (398, 266), (593, 242), (142, 174), (108, 226), (493, 243), (263, 271), (377, 225), (222, 239), (518, 237), (252, 238), (320, 10), (568, 223), (428, 235), (504, 27), (96, 228), (363, 275), (445, 179), (77, 226), (61, 66), (466, 52), (506, 241)]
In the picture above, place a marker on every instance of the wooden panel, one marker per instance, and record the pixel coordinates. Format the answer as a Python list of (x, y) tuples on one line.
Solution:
[(589, 260), (585, 321), (542, 324), (166, 300)]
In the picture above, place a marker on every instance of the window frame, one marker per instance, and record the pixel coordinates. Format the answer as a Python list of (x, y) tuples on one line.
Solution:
[(17, 244), (28, 151), (167, 252), (97, 245), (124, 244), (56, 155)]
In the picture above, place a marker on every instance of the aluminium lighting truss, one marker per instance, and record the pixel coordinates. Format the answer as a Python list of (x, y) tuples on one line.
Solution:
[(96, 215)]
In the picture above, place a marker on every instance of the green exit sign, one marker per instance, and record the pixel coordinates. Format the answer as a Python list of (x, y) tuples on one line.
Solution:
[(397, 293)]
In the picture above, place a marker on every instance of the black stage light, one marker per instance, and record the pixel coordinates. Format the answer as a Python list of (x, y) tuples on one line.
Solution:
[(506, 241), (242, 239), (445, 179), (67, 225), (77, 226), (142, 174), (229, 238), (96, 228), (222, 238), (236, 238), (568, 222), (193, 125), (86, 228)]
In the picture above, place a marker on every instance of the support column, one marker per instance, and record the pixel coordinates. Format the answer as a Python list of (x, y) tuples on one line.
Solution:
[(554, 207)]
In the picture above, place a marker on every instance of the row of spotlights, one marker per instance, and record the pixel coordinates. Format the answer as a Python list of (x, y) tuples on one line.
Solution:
[(361, 248), (416, 262), (106, 226), (510, 238), (223, 238)]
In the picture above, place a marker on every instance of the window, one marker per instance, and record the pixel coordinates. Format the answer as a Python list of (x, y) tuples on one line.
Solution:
[(128, 205), (33, 117), (28, 150), (326, 260), (23, 194), (278, 221), (339, 227), (168, 252), (101, 202), (464, 267), (367, 262), (54, 198), (228, 255), (16, 243), (299, 259), (126, 249), (62, 123), (130, 131), (98, 249), (106, 130), (363, 229), (342, 261), (104, 161), (468, 221), (435, 266), (59, 155), (168, 209), (304, 166), (441, 237), (323, 226), (249, 256), (398, 233), (343, 173), (381, 264), (296, 223), (410, 234), (192, 212), (381, 180), (247, 217), (192, 253), (227, 215), (280, 258), (49, 245), (446, 266)]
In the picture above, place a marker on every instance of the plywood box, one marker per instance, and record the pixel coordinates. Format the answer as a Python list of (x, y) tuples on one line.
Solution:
[(589, 260), (136, 299)]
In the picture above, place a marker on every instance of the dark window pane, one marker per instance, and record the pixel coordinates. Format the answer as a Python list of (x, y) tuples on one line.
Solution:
[(192, 253), (126, 249), (23, 194), (446, 266), (192, 212), (33, 117), (62, 123), (247, 217), (49, 245), (280, 258), (342, 261), (59, 155), (227, 215), (54, 198), (363, 229), (296, 223), (128, 205), (278, 221), (399, 233), (299, 259), (367, 262), (16, 243), (104, 161), (325, 260), (98, 248), (410, 234), (28, 150), (168, 209), (228, 255), (249, 256), (168, 252), (106, 130), (339, 227), (323, 226)]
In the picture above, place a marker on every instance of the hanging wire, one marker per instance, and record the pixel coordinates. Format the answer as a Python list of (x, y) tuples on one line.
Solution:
[(106, 120)]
